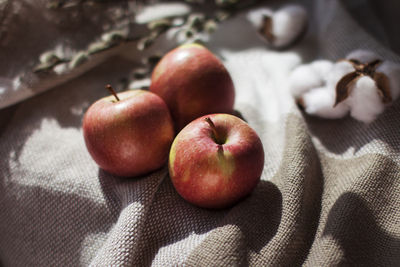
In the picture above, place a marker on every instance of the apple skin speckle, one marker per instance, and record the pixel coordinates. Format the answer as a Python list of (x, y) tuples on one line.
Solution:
[(193, 82), (130, 137)]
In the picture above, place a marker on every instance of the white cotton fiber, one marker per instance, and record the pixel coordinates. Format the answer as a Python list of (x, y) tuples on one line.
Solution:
[(322, 67), (362, 55), (392, 71), (304, 78), (339, 69), (320, 101), (364, 100), (287, 24), (314, 85)]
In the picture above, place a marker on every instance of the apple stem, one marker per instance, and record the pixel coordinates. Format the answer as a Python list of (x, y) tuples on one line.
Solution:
[(214, 129), (220, 148), (109, 88)]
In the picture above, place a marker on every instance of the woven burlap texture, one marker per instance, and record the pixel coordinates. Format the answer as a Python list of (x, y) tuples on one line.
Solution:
[(329, 194)]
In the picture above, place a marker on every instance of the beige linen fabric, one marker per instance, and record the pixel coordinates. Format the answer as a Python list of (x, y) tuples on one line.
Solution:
[(329, 194)]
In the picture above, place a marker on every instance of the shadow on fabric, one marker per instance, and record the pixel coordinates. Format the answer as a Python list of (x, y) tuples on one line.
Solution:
[(241, 230), (44, 226), (42, 187), (256, 219), (351, 133), (354, 226), (281, 215), (167, 218)]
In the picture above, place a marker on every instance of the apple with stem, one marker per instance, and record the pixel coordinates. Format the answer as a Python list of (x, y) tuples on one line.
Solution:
[(193, 82), (129, 133), (216, 160)]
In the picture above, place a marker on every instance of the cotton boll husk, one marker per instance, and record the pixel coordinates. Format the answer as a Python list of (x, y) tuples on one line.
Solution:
[(364, 100), (304, 78), (392, 71), (339, 69), (287, 24), (256, 17), (320, 101), (362, 55)]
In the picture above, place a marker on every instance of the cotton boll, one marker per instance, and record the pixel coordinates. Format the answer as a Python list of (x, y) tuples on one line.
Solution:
[(309, 76), (362, 55), (320, 101), (392, 71), (322, 67), (287, 24), (364, 100), (339, 69), (256, 17), (304, 78)]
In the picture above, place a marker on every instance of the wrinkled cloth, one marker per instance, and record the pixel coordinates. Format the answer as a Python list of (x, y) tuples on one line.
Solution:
[(329, 193)]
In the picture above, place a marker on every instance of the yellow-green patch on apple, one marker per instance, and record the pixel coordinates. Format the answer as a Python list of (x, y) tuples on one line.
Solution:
[(216, 160)]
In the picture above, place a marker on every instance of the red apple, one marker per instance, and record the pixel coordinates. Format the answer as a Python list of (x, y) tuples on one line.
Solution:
[(193, 82), (216, 160), (130, 136)]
